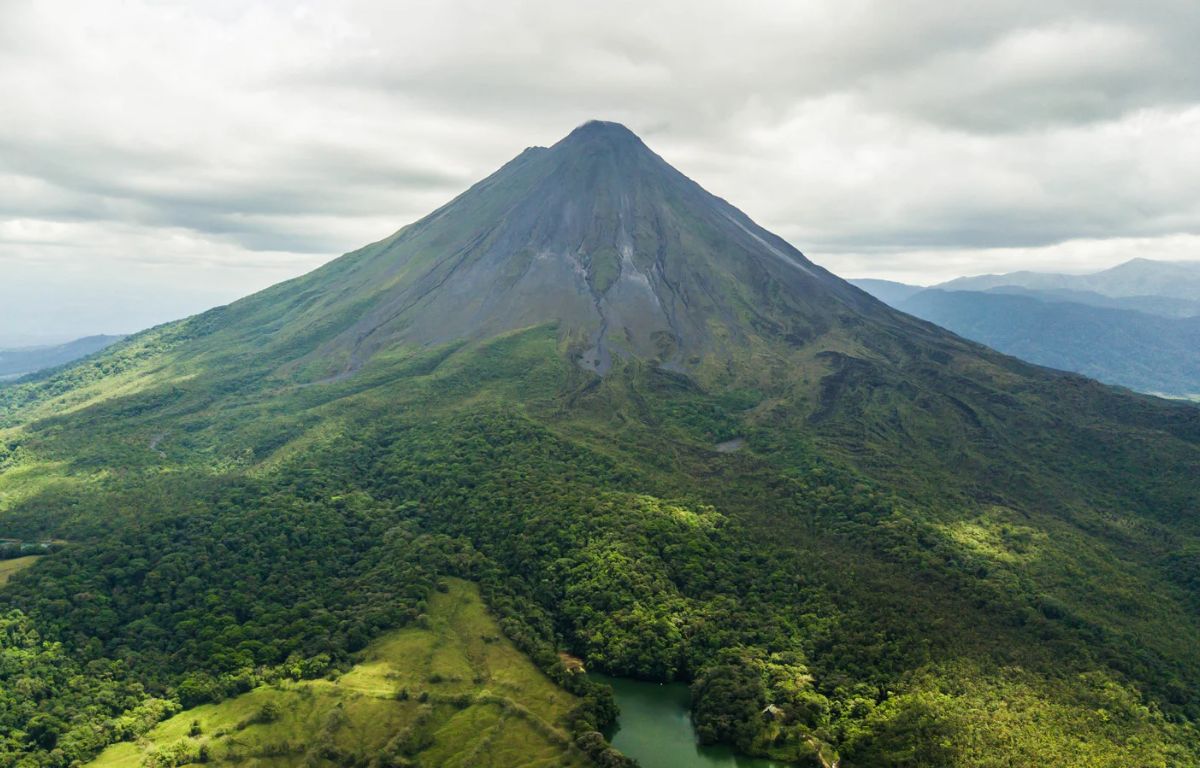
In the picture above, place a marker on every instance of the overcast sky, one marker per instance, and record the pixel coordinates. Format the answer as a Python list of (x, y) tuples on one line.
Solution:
[(158, 158)]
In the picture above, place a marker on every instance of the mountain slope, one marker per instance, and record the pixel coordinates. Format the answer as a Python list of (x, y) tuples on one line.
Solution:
[(1145, 352), (596, 233), (660, 439)]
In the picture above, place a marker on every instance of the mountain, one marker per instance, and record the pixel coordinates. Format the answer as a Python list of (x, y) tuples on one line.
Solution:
[(597, 234), (22, 360), (1166, 306), (1148, 352), (1134, 278), (660, 441)]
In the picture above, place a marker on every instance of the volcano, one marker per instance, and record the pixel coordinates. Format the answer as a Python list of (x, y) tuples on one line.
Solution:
[(662, 442), (629, 257), (601, 235)]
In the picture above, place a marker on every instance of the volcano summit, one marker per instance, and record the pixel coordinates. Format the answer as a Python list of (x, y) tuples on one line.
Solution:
[(602, 236)]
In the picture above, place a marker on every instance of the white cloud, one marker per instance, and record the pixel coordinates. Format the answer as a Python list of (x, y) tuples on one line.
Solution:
[(197, 150)]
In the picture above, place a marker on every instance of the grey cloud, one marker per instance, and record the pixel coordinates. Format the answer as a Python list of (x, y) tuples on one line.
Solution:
[(978, 65), (174, 189), (225, 136), (1067, 72)]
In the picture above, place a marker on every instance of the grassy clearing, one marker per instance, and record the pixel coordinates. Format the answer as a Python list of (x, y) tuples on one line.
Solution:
[(15, 565), (451, 692)]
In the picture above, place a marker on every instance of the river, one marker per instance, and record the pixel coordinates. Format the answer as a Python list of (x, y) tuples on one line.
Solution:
[(655, 728)]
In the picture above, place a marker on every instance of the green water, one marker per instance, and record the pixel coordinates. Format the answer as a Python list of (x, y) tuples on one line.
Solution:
[(655, 728)]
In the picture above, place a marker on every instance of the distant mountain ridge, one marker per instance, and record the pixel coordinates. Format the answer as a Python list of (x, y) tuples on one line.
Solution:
[(1133, 278), (1102, 325), (1166, 306), (19, 361)]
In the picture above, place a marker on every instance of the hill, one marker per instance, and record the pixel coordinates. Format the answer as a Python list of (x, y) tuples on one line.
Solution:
[(20, 361), (450, 692), (660, 439)]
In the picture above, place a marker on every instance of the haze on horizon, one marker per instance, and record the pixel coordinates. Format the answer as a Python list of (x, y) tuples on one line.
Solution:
[(160, 158)]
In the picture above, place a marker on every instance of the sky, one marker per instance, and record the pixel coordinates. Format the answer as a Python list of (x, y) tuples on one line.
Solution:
[(158, 158)]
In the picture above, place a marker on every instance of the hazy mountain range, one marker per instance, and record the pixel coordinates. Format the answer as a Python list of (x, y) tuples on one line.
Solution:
[(1137, 324), (19, 361), (1134, 278), (656, 441)]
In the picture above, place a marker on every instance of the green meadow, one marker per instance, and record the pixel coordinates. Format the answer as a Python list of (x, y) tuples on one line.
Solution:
[(451, 692), (13, 566)]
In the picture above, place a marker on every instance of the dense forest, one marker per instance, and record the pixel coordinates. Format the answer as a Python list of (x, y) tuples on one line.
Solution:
[(610, 528)]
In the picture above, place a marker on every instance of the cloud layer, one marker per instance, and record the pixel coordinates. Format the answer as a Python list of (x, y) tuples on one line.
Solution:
[(160, 157)]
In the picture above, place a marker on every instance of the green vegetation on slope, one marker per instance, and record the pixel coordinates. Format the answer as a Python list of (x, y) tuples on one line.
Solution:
[(14, 565), (450, 692), (911, 529), (271, 531)]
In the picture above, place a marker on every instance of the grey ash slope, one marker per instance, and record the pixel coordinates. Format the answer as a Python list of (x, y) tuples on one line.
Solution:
[(596, 233)]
